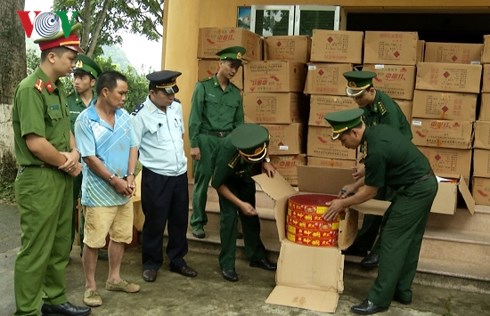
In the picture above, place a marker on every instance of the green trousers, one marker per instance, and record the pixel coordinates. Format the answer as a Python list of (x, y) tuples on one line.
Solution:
[(254, 248), (203, 170), (45, 200), (402, 230)]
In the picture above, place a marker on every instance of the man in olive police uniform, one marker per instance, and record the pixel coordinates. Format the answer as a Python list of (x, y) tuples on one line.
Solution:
[(85, 76), (240, 156), (48, 158), (216, 109), (391, 160), (159, 128), (378, 108)]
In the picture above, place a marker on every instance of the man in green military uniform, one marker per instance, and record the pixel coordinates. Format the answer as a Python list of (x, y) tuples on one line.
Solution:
[(85, 76), (391, 160), (48, 160), (240, 156), (378, 108), (216, 109)]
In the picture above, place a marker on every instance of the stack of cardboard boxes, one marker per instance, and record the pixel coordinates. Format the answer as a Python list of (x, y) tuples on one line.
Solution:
[(332, 54), (481, 152), (273, 98)]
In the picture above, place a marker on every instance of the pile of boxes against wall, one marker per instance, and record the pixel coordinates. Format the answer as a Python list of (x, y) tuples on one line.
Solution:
[(481, 153)]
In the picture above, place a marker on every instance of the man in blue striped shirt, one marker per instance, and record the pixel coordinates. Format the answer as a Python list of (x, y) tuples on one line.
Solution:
[(108, 147)]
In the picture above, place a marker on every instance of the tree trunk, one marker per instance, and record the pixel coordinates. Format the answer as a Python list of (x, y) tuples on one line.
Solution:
[(12, 69), (12, 49)]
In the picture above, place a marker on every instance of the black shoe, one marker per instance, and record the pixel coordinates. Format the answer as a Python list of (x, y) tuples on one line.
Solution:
[(229, 275), (149, 275), (184, 270), (370, 261), (367, 308), (353, 251), (264, 264), (65, 309), (198, 232)]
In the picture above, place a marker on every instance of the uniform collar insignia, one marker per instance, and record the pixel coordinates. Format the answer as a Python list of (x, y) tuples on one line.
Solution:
[(50, 87)]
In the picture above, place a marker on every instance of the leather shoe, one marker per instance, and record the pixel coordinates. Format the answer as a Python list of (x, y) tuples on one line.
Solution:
[(65, 309), (149, 275), (367, 308), (370, 261), (229, 275), (264, 264), (184, 270)]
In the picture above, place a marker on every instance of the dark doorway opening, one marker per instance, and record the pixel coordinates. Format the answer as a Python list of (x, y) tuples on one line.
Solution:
[(431, 27)]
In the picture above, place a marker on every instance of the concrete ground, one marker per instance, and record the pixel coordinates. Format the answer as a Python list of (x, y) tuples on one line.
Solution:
[(209, 294)]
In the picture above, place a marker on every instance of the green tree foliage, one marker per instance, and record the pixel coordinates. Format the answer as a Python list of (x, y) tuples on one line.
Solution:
[(103, 19)]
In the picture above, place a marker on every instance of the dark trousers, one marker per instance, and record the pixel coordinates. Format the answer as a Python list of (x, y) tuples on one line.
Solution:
[(164, 199)]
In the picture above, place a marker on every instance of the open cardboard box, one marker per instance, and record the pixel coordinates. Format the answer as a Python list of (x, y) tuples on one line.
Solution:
[(446, 201), (312, 277)]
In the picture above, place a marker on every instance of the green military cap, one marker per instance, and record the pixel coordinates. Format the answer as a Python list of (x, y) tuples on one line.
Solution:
[(358, 81), (87, 65), (251, 140), (342, 121), (59, 40), (233, 53)]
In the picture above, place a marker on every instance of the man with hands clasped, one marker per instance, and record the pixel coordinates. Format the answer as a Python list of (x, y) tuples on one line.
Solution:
[(390, 160)]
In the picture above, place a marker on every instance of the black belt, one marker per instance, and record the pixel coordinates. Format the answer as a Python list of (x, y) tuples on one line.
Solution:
[(216, 133), (41, 166), (424, 177)]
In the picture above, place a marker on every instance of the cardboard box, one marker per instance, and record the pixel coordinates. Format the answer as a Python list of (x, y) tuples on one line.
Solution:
[(274, 76), (295, 48), (395, 80), (448, 77), (444, 105), (214, 39), (208, 67), (484, 107), (337, 46), (326, 78), (323, 104), (453, 53), (320, 144), (448, 160), (312, 277), (482, 135), (481, 190), (449, 189), (485, 85), (420, 50), (287, 166), (439, 133), (391, 48), (406, 107), (286, 139), (275, 108), (481, 163), (485, 56), (331, 163)]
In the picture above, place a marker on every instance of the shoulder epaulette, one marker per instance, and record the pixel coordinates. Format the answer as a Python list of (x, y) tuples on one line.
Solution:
[(381, 108), (39, 85), (137, 109), (177, 100)]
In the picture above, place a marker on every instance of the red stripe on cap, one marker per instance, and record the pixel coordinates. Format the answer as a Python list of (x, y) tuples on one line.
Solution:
[(71, 40)]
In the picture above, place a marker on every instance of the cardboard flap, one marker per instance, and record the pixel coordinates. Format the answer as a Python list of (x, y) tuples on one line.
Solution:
[(348, 228), (276, 187), (323, 180), (317, 300), (374, 207), (466, 194)]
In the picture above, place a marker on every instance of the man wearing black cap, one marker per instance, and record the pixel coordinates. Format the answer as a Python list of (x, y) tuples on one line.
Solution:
[(378, 108), (241, 155), (85, 76), (391, 160), (48, 157), (216, 110), (159, 128)]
